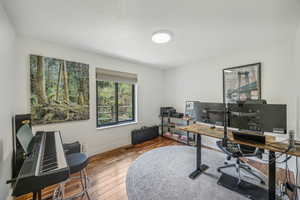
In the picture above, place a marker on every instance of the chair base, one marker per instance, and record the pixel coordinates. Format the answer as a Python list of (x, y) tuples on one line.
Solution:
[(240, 165)]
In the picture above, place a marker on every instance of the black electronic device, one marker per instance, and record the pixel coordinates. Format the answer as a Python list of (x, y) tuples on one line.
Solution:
[(211, 113), (45, 164), (177, 115), (258, 117), (249, 137), (274, 118), (167, 111), (245, 116)]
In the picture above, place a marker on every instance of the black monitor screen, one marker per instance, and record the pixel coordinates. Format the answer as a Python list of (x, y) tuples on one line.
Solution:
[(274, 118), (245, 116), (211, 113), (258, 117)]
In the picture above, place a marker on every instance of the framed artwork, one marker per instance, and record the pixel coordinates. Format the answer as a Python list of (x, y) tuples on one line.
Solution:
[(59, 90), (242, 83)]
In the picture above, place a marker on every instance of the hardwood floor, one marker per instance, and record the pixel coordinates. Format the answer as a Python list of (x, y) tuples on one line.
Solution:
[(107, 172)]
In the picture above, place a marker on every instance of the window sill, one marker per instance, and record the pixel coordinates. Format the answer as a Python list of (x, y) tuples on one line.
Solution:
[(117, 125)]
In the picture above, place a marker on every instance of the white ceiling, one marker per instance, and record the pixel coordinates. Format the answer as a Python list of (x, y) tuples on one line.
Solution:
[(123, 28)]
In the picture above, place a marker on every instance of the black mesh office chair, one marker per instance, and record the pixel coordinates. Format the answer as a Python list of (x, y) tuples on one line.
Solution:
[(233, 150)]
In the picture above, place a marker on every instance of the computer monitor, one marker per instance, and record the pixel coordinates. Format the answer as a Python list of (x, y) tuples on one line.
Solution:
[(245, 116), (274, 118), (192, 109), (211, 113), (258, 117)]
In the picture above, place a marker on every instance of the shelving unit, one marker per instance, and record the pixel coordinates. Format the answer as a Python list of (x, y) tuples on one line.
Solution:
[(168, 129)]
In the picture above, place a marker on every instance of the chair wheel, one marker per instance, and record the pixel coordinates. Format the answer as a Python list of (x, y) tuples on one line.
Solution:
[(225, 163), (218, 170)]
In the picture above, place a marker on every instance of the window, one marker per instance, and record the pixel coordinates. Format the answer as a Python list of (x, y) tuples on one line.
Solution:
[(115, 100)]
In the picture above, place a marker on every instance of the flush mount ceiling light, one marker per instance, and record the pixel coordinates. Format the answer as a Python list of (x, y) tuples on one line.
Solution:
[(161, 37)]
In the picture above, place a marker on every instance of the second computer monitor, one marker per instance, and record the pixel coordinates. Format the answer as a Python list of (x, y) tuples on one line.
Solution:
[(274, 118), (211, 113), (245, 116), (258, 117)]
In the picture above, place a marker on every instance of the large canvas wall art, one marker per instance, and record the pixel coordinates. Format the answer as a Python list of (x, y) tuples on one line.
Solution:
[(242, 83), (59, 90)]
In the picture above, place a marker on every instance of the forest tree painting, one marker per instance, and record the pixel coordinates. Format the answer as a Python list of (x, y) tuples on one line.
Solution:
[(59, 90)]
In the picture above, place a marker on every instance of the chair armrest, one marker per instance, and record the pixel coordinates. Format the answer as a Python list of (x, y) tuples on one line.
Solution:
[(254, 154), (225, 150)]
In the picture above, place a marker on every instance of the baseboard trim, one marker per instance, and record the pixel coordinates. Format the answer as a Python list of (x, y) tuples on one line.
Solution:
[(104, 154)]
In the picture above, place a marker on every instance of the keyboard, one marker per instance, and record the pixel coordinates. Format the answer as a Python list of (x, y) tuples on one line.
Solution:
[(46, 164), (249, 137)]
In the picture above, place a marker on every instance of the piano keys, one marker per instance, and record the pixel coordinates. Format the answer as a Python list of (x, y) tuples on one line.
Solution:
[(45, 164)]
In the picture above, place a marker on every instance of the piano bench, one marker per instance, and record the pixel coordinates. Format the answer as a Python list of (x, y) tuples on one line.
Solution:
[(70, 148), (77, 162)]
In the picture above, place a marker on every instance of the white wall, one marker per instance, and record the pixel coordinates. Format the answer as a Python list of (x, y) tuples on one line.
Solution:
[(203, 80), (7, 91), (297, 72), (297, 60), (150, 82)]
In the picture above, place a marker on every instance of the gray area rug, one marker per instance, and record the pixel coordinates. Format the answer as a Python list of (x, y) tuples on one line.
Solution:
[(162, 174)]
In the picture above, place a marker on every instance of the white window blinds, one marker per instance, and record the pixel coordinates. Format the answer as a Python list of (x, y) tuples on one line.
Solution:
[(116, 76)]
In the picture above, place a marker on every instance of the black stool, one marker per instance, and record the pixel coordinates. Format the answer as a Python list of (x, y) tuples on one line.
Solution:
[(77, 163)]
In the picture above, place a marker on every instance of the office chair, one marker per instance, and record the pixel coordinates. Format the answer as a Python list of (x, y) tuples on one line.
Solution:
[(233, 150)]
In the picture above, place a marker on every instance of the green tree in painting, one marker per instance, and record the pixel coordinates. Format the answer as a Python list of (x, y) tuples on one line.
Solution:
[(59, 90)]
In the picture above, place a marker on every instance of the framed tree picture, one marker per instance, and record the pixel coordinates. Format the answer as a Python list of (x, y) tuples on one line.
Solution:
[(59, 90), (242, 83)]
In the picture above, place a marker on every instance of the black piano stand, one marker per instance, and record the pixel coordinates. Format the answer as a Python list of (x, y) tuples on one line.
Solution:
[(37, 195), (200, 167), (272, 175)]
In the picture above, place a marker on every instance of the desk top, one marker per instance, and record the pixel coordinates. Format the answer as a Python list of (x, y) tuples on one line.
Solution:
[(218, 133)]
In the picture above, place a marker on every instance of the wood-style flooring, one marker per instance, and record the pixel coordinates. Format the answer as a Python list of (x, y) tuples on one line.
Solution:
[(107, 171)]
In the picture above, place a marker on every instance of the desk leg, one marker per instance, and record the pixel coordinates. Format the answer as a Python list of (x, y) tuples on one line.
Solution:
[(272, 176), (200, 167), (34, 194)]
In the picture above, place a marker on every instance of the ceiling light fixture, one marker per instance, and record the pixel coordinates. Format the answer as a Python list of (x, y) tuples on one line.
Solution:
[(161, 37)]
